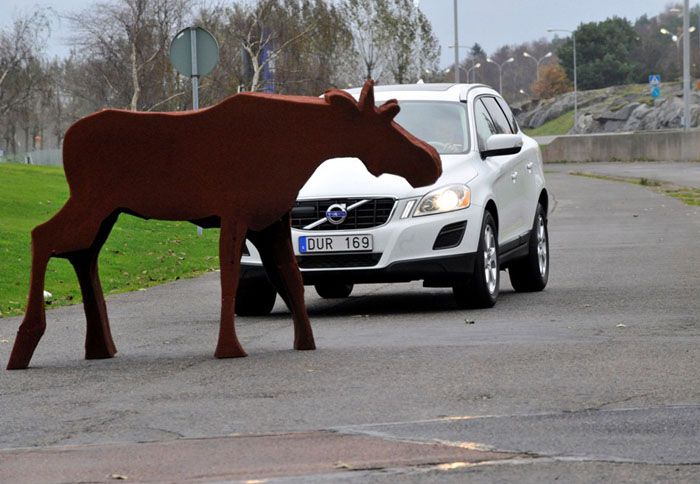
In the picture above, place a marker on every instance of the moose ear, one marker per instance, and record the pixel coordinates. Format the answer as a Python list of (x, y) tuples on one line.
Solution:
[(389, 109), (336, 97), (366, 102)]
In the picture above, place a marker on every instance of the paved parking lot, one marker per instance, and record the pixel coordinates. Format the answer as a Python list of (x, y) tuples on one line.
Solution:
[(594, 378)]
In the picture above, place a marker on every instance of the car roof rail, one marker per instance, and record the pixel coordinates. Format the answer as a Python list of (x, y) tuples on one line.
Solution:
[(465, 93)]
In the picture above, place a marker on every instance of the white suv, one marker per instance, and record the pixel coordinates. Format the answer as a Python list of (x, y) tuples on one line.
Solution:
[(486, 213)]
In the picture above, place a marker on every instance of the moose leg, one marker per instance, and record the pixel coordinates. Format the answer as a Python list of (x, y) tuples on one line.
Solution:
[(34, 323), (231, 243), (72, 229), (98, 339), (275, 246)]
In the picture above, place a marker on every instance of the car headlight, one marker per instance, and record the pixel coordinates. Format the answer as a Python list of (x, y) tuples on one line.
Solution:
[(445, 199)]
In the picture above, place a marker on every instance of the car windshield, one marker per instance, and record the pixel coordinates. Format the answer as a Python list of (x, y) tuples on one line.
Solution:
[(441, 124)]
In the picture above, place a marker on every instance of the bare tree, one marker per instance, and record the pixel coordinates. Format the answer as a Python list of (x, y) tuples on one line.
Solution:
[(21, 76), (411, 46), (131, 33), (364, 18), (21, 49)]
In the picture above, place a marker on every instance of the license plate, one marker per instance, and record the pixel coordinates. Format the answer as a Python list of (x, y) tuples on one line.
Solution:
[(335, 243)]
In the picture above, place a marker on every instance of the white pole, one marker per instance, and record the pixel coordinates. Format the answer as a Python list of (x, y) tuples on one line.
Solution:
[(456, 44), (686, 66), (195, 82), (573, 37)]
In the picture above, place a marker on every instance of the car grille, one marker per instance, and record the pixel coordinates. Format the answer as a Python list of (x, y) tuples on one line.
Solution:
[(338, 260), (374, 213)]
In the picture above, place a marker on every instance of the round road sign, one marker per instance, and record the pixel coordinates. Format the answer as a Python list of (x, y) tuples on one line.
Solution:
[(206, 52)]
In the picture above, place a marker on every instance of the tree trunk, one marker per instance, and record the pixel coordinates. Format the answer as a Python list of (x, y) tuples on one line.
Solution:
[(134, 79)]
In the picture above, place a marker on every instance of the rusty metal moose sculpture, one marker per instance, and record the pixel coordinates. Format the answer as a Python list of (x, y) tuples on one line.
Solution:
[(239, 165)]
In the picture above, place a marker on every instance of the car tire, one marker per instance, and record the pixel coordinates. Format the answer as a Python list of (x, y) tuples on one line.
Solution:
[(255, 298), (531, 273), (333, 290), (481, 290)]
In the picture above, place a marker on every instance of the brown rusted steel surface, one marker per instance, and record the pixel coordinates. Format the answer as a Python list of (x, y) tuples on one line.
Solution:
[(228, 458), (238, 165)]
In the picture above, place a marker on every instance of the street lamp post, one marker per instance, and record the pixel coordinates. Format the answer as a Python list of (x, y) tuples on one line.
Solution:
[(475, 66), (686, 66), (677, 39), (573, 38), (500, 71), (685, 30), (538, 61), (456, 44)]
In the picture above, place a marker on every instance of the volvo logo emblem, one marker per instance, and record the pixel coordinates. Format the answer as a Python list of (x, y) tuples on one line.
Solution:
[(336, 213)]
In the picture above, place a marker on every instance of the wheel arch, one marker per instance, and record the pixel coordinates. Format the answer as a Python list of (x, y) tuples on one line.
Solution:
[(491, 208), (544, 201)]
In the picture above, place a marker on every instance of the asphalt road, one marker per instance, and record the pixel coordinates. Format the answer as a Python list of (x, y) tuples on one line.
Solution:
[(596, 378)]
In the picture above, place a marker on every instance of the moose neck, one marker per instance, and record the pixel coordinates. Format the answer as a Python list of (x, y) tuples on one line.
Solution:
[(324, 134)]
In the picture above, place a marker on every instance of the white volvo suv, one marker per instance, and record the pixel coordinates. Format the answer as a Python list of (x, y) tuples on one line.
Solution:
[(486, 213)]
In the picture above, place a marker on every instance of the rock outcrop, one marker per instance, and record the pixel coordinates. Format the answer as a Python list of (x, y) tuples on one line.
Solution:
[(614, 109)]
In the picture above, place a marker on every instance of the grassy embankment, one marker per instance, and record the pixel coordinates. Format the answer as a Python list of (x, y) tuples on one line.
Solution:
[(139, 253), (557, 126)]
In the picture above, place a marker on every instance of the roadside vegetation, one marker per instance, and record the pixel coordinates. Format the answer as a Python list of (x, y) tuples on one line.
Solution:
[(558, 126), (138, 254), (687, 195)]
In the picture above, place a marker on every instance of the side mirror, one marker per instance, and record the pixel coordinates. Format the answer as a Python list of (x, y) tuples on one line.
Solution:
[(502, 144)]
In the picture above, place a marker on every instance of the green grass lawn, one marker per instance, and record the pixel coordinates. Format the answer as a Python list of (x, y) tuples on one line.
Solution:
[(139, 253), (560, 125)]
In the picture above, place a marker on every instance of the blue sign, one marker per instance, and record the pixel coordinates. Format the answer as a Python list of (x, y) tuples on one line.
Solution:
[(655, 91), (654, 79)]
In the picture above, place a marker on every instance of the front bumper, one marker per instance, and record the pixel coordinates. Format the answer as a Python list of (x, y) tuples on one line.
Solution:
[(404, 250), (435, 271)]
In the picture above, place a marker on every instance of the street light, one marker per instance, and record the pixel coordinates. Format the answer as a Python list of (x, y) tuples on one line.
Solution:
[(674, 37), (686, 59), (475, 66), (573, 38), (500, 71), (538, 61), (677, 39)]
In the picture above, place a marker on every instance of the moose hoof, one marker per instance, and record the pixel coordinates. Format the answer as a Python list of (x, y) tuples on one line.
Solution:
[(305, 345), (24, 347), (232, 352), (100, 353)]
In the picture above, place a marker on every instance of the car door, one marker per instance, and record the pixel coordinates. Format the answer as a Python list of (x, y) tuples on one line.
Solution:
[(529, 179), (504, 185)]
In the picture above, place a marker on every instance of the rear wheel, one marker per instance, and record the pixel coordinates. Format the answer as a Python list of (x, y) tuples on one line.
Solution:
[(255, 298), (531, 273), (481, 291), (333, 290)]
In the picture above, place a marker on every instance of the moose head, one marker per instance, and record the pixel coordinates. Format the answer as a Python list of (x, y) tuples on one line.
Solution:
[(399, 152)]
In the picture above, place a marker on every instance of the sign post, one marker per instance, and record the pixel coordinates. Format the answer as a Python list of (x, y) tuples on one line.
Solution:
[(655, 85), (194, 52)]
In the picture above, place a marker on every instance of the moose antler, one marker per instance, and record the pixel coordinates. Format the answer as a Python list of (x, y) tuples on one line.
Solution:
[(365, 105)]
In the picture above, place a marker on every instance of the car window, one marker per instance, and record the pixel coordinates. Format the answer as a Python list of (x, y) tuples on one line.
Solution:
[(485, 126), (509, 114), (497, 115), (441, 124)]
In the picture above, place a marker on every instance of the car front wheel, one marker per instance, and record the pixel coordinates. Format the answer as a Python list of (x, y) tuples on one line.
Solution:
[(481, 291), (531, 273), (255, 298), (333, 290)]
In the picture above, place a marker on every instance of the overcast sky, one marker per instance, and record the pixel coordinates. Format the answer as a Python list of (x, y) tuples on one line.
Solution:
[(492, 23)]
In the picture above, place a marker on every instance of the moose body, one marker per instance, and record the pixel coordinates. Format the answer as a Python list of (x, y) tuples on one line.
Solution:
[(239, 165)]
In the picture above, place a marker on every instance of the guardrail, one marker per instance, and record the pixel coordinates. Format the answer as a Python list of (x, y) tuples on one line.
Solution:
[(667, 145)]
